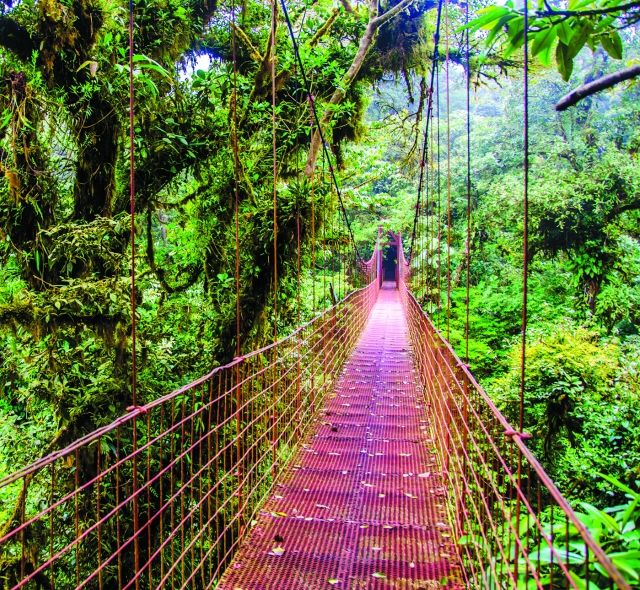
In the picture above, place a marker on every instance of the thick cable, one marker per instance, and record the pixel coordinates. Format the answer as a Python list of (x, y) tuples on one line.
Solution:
[(134, 366), (132, 212), (314, 111), (438, 188), (468, 249), (525, 221), (274, 149), (234, 140), (313, 235), (448, 95), (434, 60), (431, 212)]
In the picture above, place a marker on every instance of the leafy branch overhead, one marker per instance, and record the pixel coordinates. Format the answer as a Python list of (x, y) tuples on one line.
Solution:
[(558, 34)]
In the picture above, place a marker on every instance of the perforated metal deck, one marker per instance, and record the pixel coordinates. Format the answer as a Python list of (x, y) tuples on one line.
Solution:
[(362, 505)]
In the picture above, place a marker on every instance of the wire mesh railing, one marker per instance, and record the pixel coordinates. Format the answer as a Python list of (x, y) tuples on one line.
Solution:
[(514, 528), (162, 497)]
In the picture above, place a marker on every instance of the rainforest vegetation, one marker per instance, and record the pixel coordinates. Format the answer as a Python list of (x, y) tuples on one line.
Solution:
[(203, 144)]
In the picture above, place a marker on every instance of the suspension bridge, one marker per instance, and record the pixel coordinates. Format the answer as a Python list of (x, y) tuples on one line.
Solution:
[(357, 452)]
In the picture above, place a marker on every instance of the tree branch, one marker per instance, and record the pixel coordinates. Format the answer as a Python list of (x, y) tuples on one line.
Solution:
[(383, 18), (375, 22), (194, 270), (592, 12), (598, 85), (325, 27), (347, 6), (631, 206), (253, 51)]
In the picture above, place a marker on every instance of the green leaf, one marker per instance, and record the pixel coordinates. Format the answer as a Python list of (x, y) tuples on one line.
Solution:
[(565, 32), (612, 44), (499, 27), (546, 555), (580, 583), (579, 39), (542, 44), (600, 516), (564, 61), (487, 16), (628, 561), (618, 484)]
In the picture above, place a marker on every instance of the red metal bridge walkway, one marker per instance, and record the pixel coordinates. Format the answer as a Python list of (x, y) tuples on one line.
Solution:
[(362, 504)]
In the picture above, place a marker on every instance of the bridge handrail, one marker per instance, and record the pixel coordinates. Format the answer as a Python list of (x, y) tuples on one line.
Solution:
[(458, 372)]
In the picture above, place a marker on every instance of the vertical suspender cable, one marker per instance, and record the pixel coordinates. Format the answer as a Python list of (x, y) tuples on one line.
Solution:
[(313, 231), (432, 211), (525, 220), (324, 233), (525, 265), (236, 164), (236, 194), (439, 214), (468, 248), (132, 211), (274, 146), (314, 112), (134, 366), (446, 71), (425, 144)]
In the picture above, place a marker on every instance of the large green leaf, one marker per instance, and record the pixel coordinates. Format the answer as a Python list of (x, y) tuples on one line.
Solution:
[(543, 44), (579, 39), (612, 44), (488, 15), (564, 61)]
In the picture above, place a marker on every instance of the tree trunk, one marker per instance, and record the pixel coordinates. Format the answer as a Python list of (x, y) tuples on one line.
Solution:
[(375, 22), (95, 170)]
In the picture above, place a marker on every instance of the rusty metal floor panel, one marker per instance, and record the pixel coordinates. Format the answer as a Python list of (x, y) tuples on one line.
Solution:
[(362, 505)]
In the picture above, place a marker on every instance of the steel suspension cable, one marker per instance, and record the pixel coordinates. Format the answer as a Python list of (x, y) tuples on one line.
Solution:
[(313, 233), (438, 188), (434, 60), (134, 365), (525, 265), (236, 164), (468, 248), (432, 210), (448, 100), (525, 221), (314, 111), (132, 212), (274, 150)]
